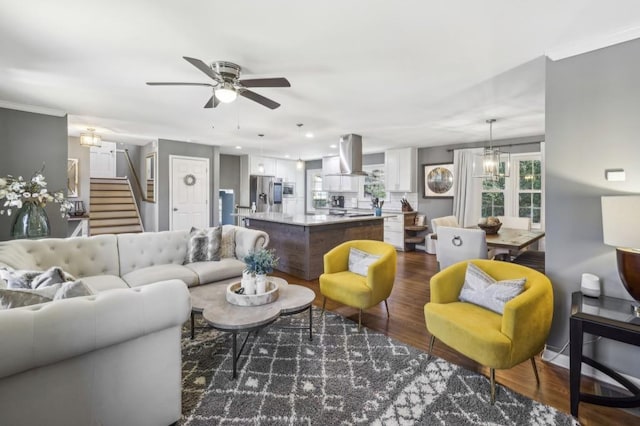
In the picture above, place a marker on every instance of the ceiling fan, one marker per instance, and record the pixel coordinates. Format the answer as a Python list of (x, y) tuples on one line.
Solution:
[(227, 84)]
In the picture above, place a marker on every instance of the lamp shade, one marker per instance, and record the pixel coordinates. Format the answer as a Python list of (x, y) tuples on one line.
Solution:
[(620, 221)]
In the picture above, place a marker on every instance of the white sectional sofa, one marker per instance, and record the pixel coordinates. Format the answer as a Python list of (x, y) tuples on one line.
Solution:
[(106, 262), (112, 358)]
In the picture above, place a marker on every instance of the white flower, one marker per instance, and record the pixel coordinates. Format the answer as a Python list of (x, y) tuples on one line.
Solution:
[(3, 182), (26, 194)]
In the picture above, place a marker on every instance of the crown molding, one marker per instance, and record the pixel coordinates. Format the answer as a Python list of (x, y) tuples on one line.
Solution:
[(593, 43), (32, 108)]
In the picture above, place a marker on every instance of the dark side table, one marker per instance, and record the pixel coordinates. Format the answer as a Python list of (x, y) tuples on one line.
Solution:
[(610, 318)]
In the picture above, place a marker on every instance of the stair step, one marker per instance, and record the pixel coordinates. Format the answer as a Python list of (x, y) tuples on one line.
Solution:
[(113, 214), (96, 223), (109, 180), (102, 193), (129, 207), (116, 229), (111, 200), (110, 186)]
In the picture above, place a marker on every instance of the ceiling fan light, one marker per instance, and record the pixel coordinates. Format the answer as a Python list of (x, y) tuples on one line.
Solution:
[(226, 93), (90, 139)]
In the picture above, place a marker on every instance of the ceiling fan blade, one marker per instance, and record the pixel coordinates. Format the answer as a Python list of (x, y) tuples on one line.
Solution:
[(266, 82), (212, 102), (162, 83), (203, 67), (259, 99)]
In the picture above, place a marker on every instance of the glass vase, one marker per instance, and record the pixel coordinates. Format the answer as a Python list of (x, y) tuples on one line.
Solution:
[(31, 221)]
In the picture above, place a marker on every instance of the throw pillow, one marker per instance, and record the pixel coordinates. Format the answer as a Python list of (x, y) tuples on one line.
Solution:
[(72, 289), (204, 245), (22, 279), (483, 290), (17, 298), (359, 261), (228, 243)]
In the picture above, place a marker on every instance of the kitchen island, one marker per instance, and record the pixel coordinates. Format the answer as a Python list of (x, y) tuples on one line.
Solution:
[(302, 240)]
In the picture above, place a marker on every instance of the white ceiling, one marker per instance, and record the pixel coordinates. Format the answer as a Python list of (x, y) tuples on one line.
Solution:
[(406, 73)]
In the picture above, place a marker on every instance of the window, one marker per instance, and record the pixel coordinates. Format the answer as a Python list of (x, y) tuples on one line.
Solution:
[(520, 194), (372, 185)]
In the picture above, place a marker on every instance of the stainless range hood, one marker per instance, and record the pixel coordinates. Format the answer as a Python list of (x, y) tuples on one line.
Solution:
[(351, 155)]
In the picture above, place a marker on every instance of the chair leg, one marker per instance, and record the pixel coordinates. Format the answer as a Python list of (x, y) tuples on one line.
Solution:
[(386, 305), (324, 302), (493, 385), (535, 370), (359, 320), (431, 342)]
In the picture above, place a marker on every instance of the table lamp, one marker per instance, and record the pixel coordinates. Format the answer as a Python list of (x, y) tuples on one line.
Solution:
[(620, 229)]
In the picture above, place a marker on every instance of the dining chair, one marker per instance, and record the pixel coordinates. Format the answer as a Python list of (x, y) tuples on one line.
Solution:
[(513, 222), (435, 222), (457, 244)]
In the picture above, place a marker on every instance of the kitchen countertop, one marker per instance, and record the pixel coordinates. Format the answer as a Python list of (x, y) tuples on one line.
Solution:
[(312, 220), (362, 210)]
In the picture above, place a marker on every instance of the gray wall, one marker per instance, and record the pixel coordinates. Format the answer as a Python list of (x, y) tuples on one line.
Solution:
[(230, 174), (592, 124), (28, 140), (168, 147), (438, 207)]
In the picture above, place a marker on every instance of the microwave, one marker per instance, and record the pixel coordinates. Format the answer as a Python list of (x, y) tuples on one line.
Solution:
[(288, 189)]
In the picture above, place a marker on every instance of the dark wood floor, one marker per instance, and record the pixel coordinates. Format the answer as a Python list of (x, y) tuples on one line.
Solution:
[(406, 324)]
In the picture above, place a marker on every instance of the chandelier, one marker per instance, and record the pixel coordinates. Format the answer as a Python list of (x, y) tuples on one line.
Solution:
[(90, 139), (492, 163)]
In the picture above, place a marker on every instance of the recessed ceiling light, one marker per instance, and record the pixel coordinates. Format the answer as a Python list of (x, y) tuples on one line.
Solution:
[(308, 135), (333, 145), (287, 156), (238, 147)]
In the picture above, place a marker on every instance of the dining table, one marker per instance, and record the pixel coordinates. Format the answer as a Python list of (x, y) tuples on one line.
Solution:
[(509, 238)]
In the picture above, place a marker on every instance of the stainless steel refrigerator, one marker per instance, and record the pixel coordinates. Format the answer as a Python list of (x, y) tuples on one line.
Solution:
[(266, 192)]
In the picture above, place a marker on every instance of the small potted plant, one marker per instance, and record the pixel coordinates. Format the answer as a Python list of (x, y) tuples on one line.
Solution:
[(260, 263)]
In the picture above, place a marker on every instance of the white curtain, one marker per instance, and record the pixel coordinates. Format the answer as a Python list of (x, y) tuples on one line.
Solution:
[(467, 194)]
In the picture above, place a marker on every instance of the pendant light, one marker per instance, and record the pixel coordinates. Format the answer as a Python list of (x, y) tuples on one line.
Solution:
[(488, 165), (299, 163), (90, 139), (261, 164)]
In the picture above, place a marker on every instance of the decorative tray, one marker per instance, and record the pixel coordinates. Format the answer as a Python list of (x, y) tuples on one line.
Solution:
[(270, 296)]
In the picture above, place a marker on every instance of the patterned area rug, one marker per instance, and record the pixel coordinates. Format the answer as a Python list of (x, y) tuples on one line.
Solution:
[(342, 377)]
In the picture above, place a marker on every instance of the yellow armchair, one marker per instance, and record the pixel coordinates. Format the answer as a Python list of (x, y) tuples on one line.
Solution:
[(493, 340), (339, 284)]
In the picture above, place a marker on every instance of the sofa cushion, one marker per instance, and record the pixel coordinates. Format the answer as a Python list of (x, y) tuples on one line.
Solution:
[(483, 290), (209, 272), (98, 283), (145, 249), (152, 274)]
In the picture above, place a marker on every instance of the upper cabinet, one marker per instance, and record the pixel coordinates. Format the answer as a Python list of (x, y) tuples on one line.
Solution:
[(331, 181), (400, 169), (268, 164), (286, 170)]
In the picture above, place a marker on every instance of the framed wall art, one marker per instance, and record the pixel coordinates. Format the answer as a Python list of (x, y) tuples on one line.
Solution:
[(439, 181)]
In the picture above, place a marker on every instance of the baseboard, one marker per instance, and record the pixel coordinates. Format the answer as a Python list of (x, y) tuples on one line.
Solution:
[(563, 361)]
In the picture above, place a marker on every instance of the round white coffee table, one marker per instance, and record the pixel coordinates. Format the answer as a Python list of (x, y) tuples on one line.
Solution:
[(210, 300)]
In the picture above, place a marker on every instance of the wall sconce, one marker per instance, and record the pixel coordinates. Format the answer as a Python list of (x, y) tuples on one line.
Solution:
[(90, 139), (620, 229)]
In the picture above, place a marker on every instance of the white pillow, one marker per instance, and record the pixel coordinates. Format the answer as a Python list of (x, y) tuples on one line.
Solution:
[(483, 290), (359, 261)]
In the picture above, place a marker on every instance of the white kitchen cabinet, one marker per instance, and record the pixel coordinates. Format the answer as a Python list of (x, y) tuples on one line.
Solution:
[(394, 231), (400, 169), (286, 170), (331, 181), (269, 165)]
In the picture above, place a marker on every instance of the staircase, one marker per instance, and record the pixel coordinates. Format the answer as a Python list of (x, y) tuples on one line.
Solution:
[(113, 208)]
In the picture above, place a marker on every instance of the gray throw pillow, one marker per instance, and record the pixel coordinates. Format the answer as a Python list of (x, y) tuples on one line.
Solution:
[(23, 279), (228, 243), (204, 245), (483, 290), (17, 298), (72, 289), (359, 261)]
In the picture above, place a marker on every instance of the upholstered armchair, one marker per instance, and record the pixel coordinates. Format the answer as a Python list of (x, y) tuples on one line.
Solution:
[(349, 288), (493, 340)]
